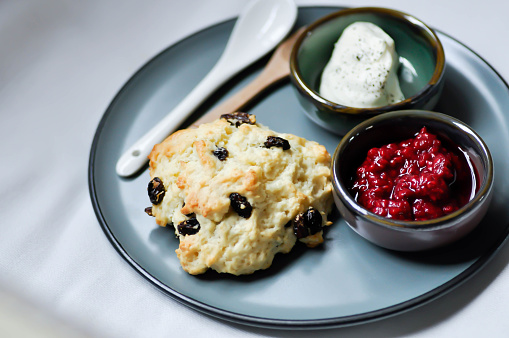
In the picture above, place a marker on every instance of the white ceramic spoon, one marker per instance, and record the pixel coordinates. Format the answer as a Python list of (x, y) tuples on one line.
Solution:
[(259, 28)]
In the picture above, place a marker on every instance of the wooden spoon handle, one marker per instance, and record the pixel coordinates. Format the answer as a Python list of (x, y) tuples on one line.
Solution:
[(276, 69), (242, 97)]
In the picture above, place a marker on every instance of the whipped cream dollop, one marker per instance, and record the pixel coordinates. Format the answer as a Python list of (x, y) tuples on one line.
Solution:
[(362, 71)]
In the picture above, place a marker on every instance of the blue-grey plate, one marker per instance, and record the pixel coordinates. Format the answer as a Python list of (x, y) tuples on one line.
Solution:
[(347, 280)]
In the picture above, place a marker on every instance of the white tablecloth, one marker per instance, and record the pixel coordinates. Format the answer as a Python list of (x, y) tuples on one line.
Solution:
[(61, 63)]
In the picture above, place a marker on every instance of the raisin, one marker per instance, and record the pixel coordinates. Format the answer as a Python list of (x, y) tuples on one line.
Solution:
[(240, 204), (156, 190), (188, 227), (274, 141), (148, 211), (236, 119), (307, 223), (221, 153), (300, 231)]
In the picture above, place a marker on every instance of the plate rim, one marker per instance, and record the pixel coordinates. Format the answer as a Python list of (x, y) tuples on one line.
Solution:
[(332, 322)]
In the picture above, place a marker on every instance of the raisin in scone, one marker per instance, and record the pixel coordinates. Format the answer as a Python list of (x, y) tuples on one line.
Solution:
[(237, 193)]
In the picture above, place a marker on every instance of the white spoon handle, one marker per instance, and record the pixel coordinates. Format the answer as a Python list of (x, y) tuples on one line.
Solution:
[(136, 156)]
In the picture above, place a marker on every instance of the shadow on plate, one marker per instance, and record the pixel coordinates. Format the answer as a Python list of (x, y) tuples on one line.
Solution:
[(488, 235), (165, 240), (453, 101)]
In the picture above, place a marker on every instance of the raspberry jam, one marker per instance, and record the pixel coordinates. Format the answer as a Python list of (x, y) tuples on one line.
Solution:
[(418, 179)]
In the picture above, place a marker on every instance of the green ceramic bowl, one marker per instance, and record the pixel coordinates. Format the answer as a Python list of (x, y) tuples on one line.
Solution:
[(422, 65)]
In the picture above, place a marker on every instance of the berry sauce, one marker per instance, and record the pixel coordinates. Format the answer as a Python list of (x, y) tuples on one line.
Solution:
[(418, 179)]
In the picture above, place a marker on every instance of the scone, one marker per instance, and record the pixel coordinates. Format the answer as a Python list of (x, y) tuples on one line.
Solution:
[(237, 193)]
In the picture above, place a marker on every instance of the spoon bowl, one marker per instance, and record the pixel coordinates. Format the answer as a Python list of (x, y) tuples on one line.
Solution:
[(259, 28)]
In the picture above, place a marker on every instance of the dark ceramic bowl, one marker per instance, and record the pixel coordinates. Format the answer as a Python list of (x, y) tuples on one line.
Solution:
[(421, 69), (410, 235)]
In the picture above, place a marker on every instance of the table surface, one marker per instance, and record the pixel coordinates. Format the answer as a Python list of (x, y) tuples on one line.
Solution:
[(61, 63)]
